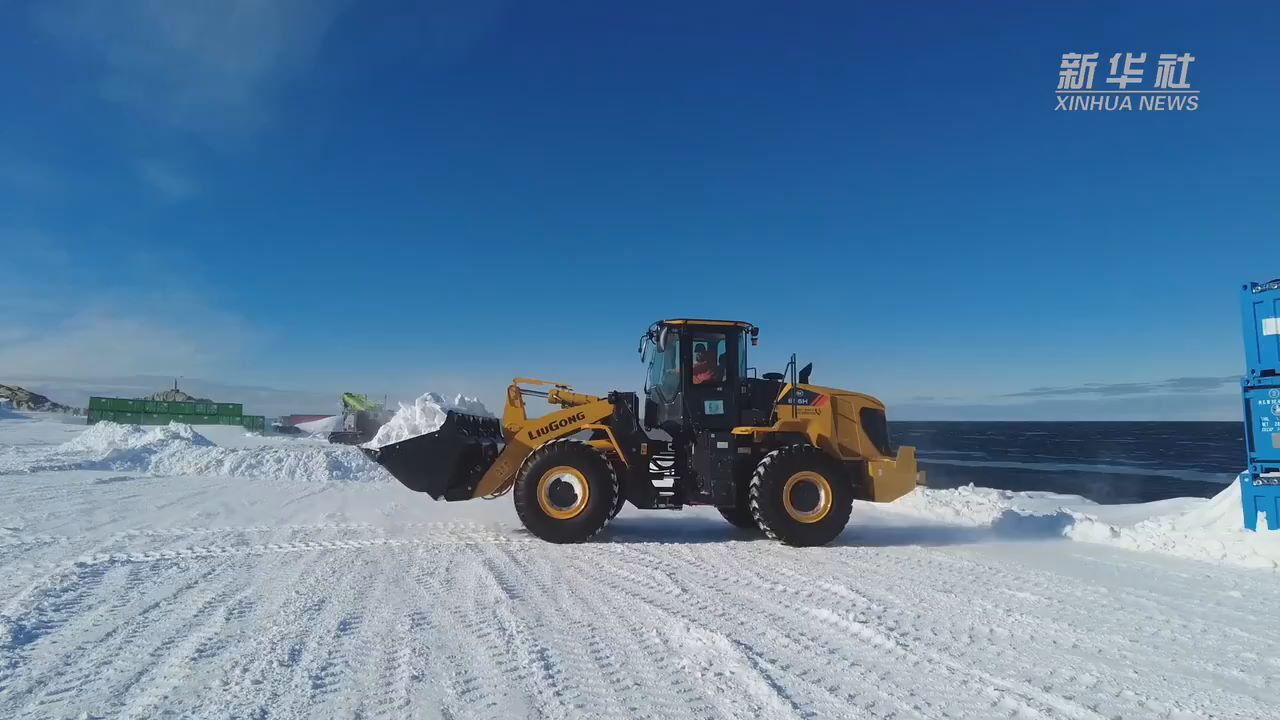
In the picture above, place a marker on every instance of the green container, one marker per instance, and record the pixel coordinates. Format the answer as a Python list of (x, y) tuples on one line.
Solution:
[(254, 422), (126, 405), (128, 418), (154, 418), (99, 403), (230, 409), (232, 419), (95, 415)]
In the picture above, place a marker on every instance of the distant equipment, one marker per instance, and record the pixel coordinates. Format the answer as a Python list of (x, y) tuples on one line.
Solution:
[(1260, 486), (361, 418)]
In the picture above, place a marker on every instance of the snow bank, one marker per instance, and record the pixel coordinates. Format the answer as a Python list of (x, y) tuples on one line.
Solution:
[(425, 415), (177, 449), (1213, 530), (1197, 528)]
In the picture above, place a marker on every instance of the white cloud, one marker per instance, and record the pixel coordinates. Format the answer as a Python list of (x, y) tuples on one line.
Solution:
[(206, 65), (109, 342), (164, 180)]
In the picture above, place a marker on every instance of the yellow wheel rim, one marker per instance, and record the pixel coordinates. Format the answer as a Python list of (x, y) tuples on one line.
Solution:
[(804, 508), (563, 492)]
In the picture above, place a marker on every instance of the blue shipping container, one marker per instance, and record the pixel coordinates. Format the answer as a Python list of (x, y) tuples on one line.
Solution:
[(1262, 421), (1260, 303), (1260, 493)]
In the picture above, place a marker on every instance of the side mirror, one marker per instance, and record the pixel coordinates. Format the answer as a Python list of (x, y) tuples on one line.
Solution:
[(804, 373)]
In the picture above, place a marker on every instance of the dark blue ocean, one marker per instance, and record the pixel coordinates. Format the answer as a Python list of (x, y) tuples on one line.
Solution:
[(1108, 462)]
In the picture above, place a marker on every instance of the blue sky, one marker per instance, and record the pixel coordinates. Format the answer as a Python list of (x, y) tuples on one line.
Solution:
[(394, 197)]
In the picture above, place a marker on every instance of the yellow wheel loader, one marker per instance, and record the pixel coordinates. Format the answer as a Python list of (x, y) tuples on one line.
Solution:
[(771, 453)]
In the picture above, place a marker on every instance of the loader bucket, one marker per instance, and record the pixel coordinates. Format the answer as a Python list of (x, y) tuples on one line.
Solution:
[(446, 463)]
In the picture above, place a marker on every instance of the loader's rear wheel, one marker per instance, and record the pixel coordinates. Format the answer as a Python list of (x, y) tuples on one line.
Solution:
[(801, 496), (565, 492)]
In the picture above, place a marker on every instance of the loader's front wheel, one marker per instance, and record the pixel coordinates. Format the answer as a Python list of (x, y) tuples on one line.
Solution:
[(565, 492), (801, 496)]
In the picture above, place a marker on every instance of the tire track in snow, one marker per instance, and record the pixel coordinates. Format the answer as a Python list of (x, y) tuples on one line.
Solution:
[(877, 619), (628, 645), (484, 677), (263, 670), (1007, 631), (788, 669), (147, 610), (356, 619)]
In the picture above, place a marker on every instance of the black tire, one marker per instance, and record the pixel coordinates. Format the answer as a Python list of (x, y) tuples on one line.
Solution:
[(740, 514), (553, 507), (801, 496), (619, 472)]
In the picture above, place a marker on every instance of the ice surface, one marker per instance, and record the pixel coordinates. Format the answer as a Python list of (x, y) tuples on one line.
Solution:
[(425, 415), (247, 589)]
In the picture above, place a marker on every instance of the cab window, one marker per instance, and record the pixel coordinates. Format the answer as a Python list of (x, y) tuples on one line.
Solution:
[(664, 369), (708, 358)]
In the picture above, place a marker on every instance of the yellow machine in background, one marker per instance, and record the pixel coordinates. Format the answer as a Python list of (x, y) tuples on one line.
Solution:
[(782, 456)]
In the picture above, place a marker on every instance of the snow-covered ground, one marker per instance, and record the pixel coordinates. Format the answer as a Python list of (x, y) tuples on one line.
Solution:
[(208, 573)]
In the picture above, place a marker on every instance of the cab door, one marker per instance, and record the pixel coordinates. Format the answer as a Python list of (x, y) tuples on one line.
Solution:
[(711, 372)]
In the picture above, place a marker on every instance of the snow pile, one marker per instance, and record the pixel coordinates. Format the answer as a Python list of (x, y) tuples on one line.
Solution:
[(1008, 514), (968, 506), (1201, 529), (323, 463), (425, 415), (108, 437), (1213, 530), (177, 449)]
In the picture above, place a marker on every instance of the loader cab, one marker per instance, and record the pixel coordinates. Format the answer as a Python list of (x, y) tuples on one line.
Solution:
[(695, 370)]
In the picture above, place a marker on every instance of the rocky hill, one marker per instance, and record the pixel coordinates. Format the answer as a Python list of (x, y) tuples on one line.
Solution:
[(23, 399)]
